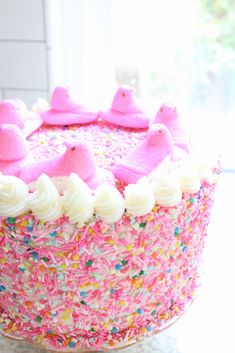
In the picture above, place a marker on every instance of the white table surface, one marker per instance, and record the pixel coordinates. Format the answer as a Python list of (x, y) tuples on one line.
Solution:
[(208, 325)]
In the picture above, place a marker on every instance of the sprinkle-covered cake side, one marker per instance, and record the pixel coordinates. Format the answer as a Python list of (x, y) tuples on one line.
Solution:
[(102, 285)]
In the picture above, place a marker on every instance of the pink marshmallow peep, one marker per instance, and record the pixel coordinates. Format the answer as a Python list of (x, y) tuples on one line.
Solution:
[(13, 149), (77, 158), (64, 111), (15, 112), (169, 117), (157, 145), (125, 110)]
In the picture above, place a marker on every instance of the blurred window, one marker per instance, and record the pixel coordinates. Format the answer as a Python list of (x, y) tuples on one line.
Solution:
[(179, 51)]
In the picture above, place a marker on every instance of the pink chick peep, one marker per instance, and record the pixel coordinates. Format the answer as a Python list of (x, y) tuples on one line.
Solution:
[(77, 158), (15, 112), (65, 111), (147, 156), (125, 110), (169, 117), (13, 149)]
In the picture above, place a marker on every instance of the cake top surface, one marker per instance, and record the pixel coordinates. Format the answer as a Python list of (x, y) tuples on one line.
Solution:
[(119, 154)]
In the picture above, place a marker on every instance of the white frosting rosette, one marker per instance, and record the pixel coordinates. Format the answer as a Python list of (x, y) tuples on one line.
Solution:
[(188, 177), (205, 166), (45, 202), (183, 171), (205, 173), (13, 196), (77, 200), (108, 203), (139, 198), (167, 188)]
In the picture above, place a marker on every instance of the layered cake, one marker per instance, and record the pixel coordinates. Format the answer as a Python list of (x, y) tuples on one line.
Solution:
[(103, 219)]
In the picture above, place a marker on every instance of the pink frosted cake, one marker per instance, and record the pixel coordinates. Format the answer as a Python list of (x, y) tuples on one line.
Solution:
[(103, 218)]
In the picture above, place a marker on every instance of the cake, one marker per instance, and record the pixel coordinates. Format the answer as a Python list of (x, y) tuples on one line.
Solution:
[(103, 219)]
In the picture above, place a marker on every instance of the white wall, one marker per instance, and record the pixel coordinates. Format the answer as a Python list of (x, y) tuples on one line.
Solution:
[(24, 67), (44, 43)]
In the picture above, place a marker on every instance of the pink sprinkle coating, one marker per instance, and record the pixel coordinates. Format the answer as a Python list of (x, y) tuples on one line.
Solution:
[(102, 285)]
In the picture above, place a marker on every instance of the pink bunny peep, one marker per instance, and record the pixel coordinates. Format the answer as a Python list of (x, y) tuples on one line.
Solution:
[(125, 111), (64, 111), (169, 117), (13, 149), (15, 112), (147, 156)]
